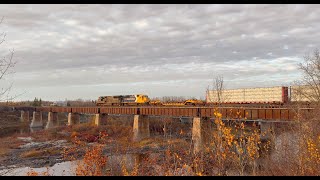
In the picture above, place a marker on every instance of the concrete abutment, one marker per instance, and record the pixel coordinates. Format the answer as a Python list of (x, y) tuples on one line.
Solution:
[(25, 116), (36, 120), (73, 118), (140, 127), (52, 120)]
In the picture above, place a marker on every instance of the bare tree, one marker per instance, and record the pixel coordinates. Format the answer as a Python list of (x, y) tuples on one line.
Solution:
[(6, 64), (218, 87), (215, 95), (308, 88), (173, 99), (306, 91)]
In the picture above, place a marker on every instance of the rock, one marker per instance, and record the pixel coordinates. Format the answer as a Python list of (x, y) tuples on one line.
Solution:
[(25, 139)]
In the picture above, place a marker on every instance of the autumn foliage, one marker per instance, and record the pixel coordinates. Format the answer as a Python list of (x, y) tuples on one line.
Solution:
[(230, 147)]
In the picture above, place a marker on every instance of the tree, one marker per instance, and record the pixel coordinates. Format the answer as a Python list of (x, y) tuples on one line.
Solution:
[(6, 64), (35, 102), (215, 95), (218, 87), (308, 88)]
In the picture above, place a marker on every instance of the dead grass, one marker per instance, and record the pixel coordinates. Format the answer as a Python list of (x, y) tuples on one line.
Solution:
[(86, 132), (50, 134), (31, 153), (39, 153), (8, 143), (157, 142), (4, 151), (149, 142)]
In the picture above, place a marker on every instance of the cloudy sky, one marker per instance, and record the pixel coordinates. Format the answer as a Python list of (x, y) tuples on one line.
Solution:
[(84, 51)]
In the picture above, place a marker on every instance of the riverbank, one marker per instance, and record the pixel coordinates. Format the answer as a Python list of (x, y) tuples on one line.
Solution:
[(45, 148)]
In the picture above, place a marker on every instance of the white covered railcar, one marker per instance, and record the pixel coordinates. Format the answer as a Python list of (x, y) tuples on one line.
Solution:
[(249, 95)]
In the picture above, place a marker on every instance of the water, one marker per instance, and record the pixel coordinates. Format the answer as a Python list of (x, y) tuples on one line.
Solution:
[(9, 131)]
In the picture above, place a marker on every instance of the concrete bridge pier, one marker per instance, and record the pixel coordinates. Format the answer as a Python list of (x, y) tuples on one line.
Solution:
[(73, 118), (52, 120), (202, 129), (267, 130), (36, 120), (97, 119), (140, 127), (24, 116), (100, 119), (196, 134)]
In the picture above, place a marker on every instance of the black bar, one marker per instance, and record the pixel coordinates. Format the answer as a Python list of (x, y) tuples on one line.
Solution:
[(199, 112)]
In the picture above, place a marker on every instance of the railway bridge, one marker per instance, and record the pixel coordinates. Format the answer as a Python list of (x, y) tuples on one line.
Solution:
[(264, 116)]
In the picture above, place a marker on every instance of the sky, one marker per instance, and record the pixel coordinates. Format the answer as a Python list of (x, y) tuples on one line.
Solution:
[(85, 51)]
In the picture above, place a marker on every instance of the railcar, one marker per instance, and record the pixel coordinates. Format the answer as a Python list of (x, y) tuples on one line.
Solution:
[(270, 95)]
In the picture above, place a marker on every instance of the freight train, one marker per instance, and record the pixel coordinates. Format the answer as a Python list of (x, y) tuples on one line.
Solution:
[(141, 99), (254, 96)]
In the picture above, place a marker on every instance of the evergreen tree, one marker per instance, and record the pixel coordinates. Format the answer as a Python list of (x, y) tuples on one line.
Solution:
[(35, 102)]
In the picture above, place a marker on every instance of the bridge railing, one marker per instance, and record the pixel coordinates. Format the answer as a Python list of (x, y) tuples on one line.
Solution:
[(61, 109), (170, 111), (119, 110), (251, 113), (24, 108), (227, 112), (88, 110), (43, 109)]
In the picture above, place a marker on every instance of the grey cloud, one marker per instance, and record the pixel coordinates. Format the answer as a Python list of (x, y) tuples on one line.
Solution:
[(69, 38)]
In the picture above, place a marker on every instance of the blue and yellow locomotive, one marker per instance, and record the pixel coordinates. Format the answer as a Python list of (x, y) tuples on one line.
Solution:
[(123, 100)]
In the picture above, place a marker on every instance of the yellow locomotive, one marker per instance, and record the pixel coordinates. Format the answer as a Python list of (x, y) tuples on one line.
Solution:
[(123, 100)]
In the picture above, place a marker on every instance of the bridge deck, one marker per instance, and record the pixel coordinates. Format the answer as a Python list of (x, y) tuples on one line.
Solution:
[(227, 112)]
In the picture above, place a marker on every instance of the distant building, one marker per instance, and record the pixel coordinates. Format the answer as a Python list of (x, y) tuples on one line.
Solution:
[(59, 103)]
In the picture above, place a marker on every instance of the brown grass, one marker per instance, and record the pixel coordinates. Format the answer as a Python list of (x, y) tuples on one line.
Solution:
[(40, 153), (32, 153), (4, 151), (9, 143)]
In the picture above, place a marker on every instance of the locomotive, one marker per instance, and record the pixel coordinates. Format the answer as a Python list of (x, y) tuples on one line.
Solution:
[(123, 100)]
